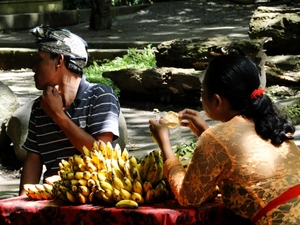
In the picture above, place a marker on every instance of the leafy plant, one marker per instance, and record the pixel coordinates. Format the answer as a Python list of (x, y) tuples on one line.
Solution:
[(293, 112), (185, 149), (134, 59)]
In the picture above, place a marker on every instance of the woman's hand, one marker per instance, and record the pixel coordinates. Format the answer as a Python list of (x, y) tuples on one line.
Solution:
[(161, 135), (196, 122)]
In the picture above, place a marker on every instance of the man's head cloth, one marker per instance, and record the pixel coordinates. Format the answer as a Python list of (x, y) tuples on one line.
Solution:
[(61, 41)]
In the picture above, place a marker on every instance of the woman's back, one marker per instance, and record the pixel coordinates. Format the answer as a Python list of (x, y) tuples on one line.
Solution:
[(261, 171)]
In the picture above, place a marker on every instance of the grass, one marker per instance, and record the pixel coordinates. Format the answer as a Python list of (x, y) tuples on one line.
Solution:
[(134, 59)]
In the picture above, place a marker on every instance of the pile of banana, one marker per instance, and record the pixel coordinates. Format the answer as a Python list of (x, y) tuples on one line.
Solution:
[(108, 174), (39, 191)]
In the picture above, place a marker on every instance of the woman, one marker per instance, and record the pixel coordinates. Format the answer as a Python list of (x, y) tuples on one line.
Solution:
[(250, 155)]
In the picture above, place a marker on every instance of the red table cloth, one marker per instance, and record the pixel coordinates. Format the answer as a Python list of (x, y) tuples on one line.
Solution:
[(22, 210)]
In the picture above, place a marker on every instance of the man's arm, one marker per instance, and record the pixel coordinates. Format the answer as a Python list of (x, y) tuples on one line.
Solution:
[(32, 171)]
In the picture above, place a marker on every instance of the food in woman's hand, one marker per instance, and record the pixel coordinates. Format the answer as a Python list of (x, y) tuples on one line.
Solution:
[(171, 119)]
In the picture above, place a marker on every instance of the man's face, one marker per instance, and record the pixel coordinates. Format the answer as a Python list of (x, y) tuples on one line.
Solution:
[(45, 70)]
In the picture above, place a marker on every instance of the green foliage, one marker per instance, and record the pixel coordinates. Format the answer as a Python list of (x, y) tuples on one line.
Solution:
[(134, 59), (185, 149), (293, 112)]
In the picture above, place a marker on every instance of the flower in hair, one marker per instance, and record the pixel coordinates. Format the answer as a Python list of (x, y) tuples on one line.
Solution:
[(257, 93)]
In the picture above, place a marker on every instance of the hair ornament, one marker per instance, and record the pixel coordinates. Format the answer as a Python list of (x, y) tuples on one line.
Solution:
[(257, 93)]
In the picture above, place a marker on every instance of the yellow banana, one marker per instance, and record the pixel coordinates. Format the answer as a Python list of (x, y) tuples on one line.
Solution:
[(61, 167), (106, 196), (116, 194), (78, 175), (94, 175), (127, 204), (106, 185), (150, 196), (155, 152), (121, 163), (82, 167), (48, 187), (87, 159), (95, 146), (137, 187), (125, 155), (137, 197), (116, 168), (125, 194), (136, 174), (127, 184), (71, 160), (132, 161), (87, 175), (91, 183), (85, 151), (117, 152), (151, 175), (30, 188), (127, 172), (84, 190), (145, 164), (91, 196), (70, 175), (78, 159), (52, 179), (65, 163), (159, 190), (82, 182), (40, 187), (108, 164), (74, 188), (117, 182), (71, 197), (101, 177), (102, 148), (73, 182), (91, 167), (147, 186), (82, 198), (160, 170), (96, 159), (109, 150)]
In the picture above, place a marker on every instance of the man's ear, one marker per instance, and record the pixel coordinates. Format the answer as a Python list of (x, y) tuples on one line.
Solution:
[(60, 60)]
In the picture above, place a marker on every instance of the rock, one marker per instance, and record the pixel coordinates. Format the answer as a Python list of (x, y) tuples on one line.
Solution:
[(283, 69), (198, 52), (18, 128), (282, 24), (165, 83), (8, 104)]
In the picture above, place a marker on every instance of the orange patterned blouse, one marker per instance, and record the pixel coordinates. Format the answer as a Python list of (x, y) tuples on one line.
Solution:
[(248, 170)]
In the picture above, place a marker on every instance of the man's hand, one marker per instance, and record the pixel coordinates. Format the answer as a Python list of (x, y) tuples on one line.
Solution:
[(52, 102)]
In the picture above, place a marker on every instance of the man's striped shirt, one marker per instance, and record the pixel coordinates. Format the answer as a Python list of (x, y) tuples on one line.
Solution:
[(95, 109)]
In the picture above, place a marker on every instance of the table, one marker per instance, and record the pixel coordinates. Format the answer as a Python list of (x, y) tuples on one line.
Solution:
[(22, 210)]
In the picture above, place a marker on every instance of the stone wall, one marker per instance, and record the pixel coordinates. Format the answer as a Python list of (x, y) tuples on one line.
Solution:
[(29, 6)]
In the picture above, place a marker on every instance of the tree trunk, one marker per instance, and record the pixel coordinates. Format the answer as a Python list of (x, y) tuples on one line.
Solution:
[(101, 18)]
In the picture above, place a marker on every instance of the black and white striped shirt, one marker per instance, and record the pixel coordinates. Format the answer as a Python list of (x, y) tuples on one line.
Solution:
[(95, 109)]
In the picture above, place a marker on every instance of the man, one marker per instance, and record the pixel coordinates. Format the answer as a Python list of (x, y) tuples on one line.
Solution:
[(71, 113)]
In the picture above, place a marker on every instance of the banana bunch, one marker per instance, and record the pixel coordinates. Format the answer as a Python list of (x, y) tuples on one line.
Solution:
[(39, 191), (109, 174)]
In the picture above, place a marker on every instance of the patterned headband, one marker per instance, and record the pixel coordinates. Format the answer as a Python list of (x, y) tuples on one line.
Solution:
[(61, 41)]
